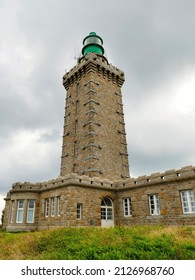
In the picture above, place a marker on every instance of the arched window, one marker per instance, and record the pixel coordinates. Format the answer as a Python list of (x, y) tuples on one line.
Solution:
[(106, 209)]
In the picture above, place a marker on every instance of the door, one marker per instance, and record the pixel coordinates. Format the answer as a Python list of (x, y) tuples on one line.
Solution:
[(107, 213)]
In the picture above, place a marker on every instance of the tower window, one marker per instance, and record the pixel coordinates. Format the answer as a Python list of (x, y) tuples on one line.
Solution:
[(76, 106), (77, 90), (74, 148), (75, 126), (74, 168)]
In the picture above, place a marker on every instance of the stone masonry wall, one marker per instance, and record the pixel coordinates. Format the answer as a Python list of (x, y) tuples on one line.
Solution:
[(74, 189), (168, 185), (94, 139)]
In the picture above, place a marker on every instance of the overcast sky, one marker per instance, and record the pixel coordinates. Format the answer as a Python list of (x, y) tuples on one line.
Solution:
[(152, 41)]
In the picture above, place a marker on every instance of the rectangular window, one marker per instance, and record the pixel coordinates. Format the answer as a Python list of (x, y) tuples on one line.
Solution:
[(12, 211), (53, 206), (20, 211), (188, 202), (106, 213), (77, 89), (31, 211), (77, 106), (75, 148), (79, 211), (46, 207), (103, 213), (154, 204), (127, 207), (58, 205), (75, 126), (109, 213), (74, 168)]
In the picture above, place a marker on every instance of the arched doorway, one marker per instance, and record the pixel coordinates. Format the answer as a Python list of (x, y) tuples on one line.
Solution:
[(107, 213)]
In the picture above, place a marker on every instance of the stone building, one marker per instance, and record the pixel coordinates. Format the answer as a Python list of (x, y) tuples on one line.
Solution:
[(94, 187)]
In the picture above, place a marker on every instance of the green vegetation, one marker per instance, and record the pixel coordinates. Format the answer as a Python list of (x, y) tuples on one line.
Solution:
[(134, 243)]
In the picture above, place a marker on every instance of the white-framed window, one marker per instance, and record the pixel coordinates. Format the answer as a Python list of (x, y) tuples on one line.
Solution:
[(154, 204), (53, 206), (58, 205), (188, 202), (46, 207), (79, 211), (12, 211), (106, 209), (20, 211), (127, 207), (30, 211)]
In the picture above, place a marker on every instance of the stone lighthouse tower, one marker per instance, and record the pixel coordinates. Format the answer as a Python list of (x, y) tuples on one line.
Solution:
[(94, 138)]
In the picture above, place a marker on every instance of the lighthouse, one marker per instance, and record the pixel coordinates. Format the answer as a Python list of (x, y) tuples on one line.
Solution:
[(94, 137)]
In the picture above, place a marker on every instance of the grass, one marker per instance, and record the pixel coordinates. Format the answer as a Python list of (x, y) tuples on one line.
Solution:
[(119, 243)]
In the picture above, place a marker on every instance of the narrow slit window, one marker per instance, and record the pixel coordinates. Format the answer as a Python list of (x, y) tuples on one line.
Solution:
[(75, 148), (77, 89), (77, 106), (75, 126)]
